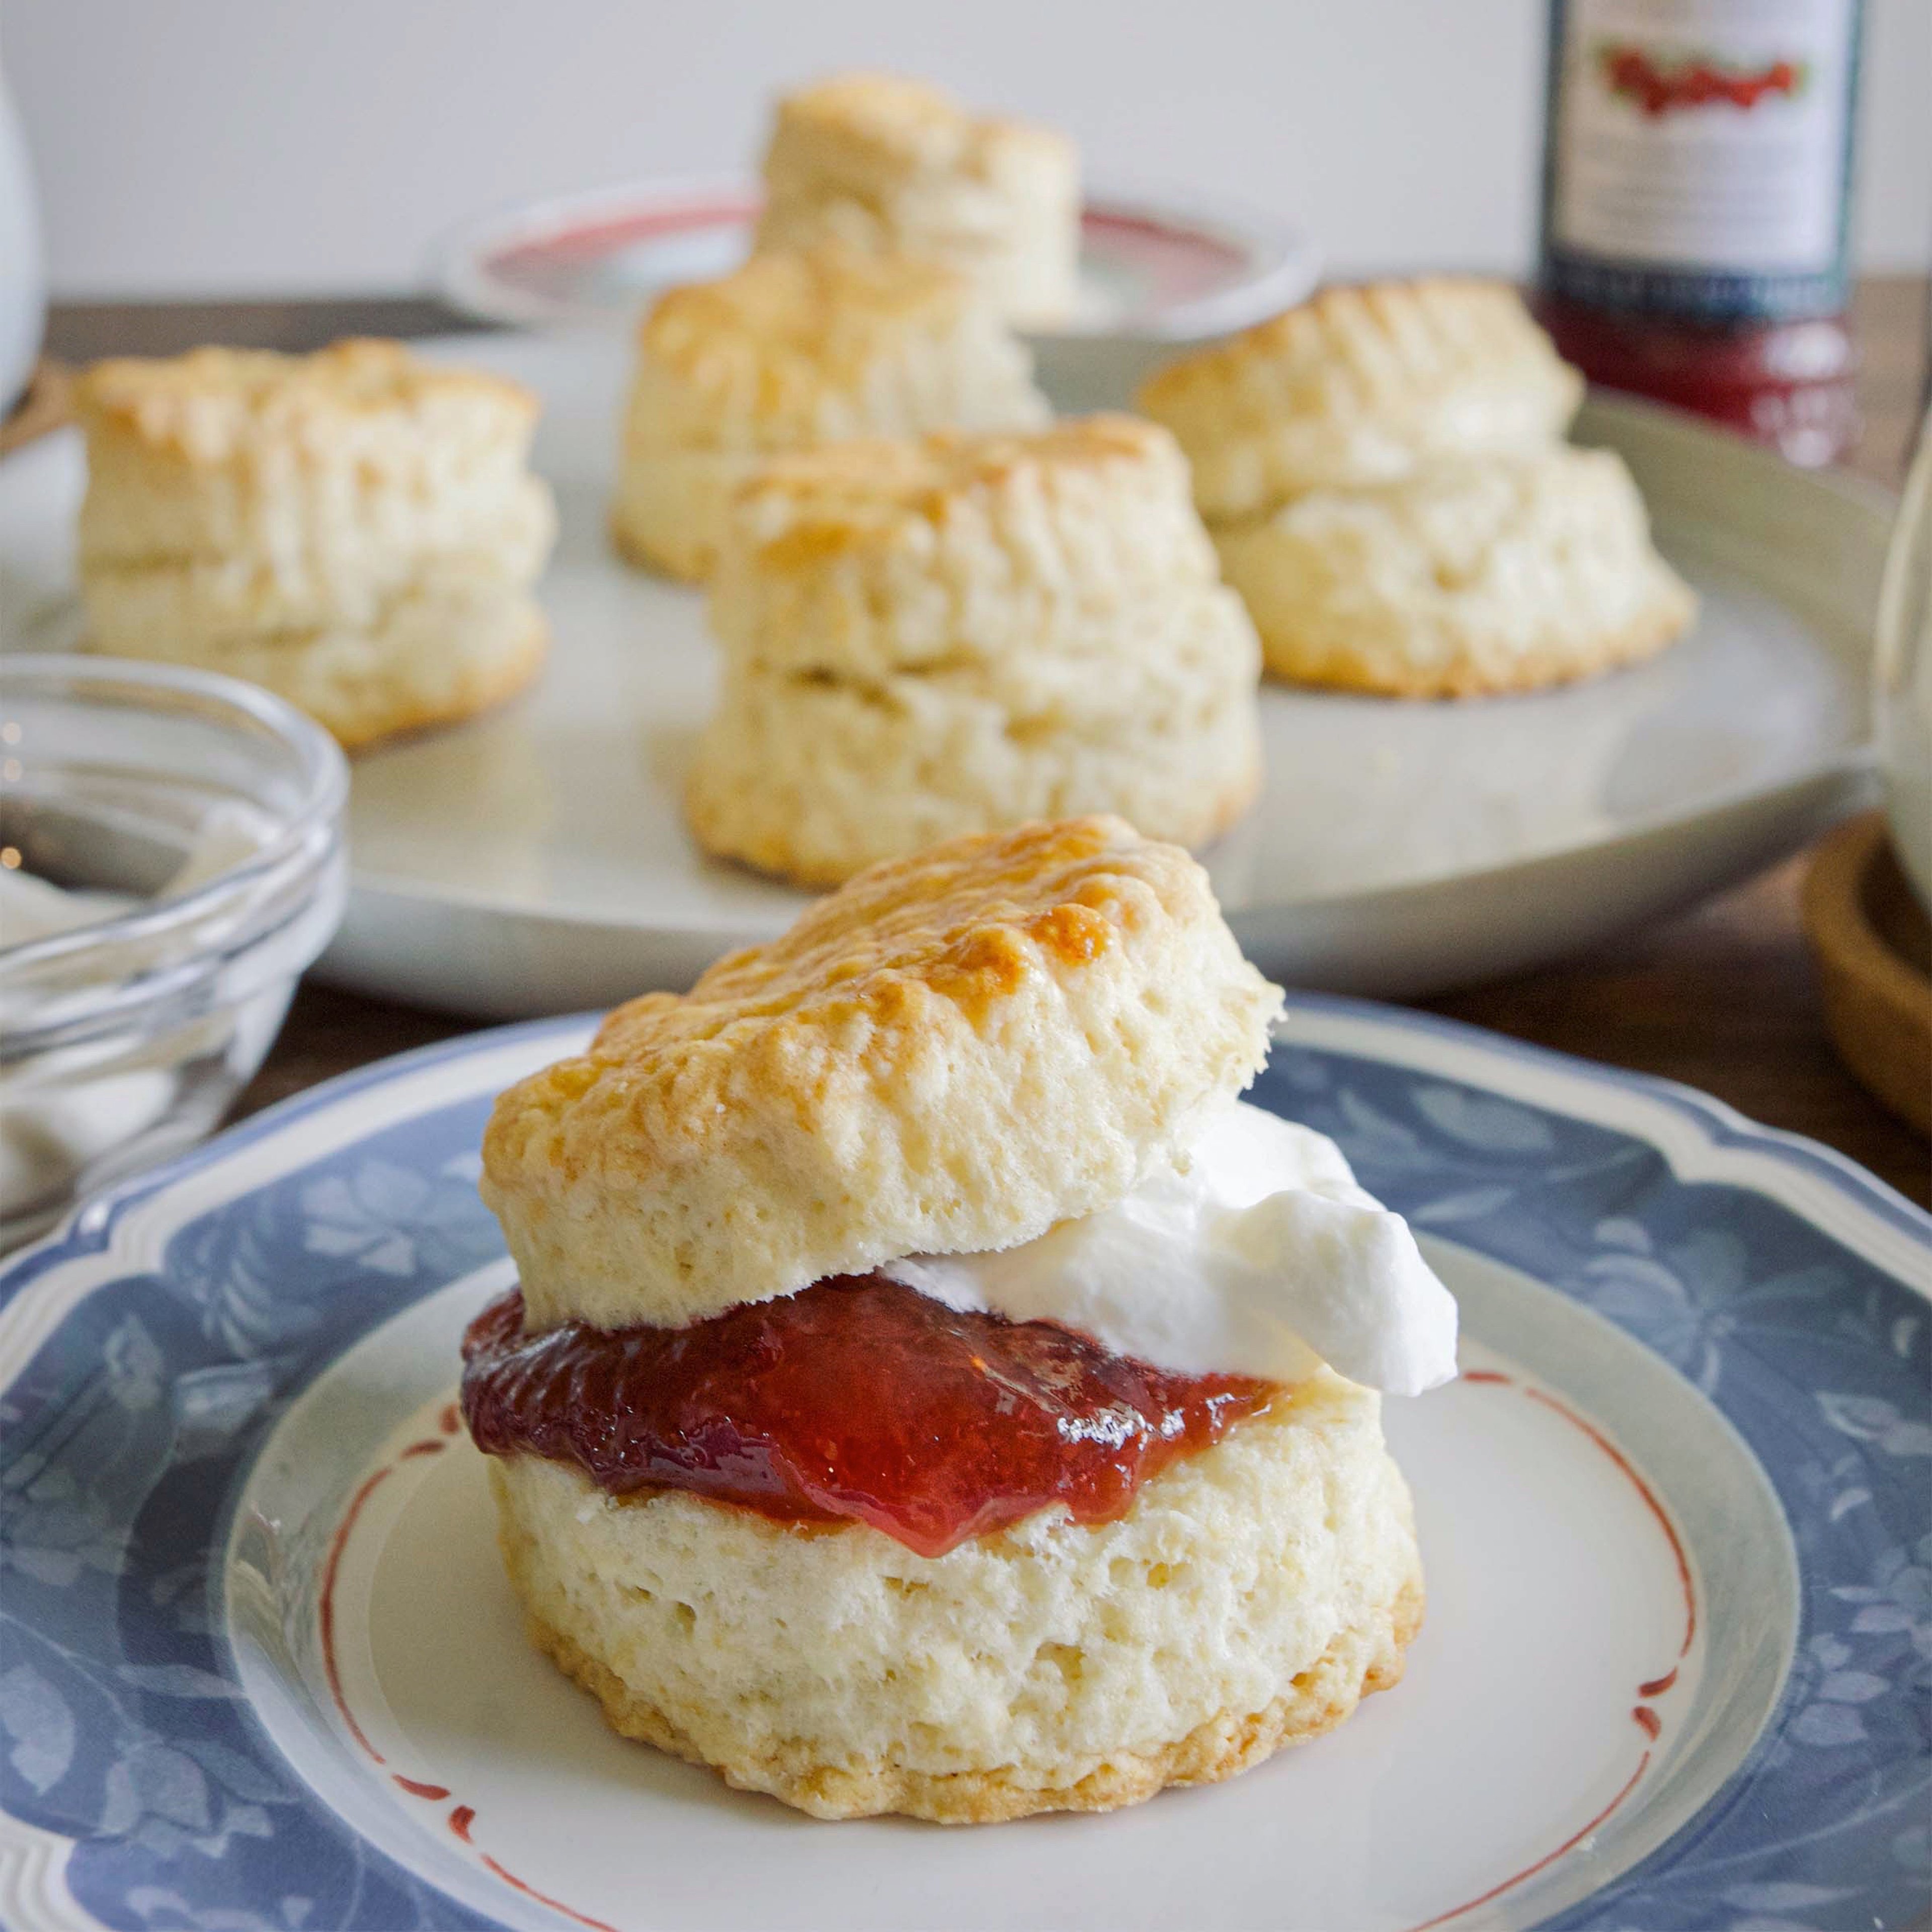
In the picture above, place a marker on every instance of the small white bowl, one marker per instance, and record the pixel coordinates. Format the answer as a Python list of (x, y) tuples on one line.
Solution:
[(123, 1040), (1155, 271)]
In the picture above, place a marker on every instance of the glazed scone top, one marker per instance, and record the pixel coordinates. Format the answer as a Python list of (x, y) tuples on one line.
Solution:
[(949, 1053), (864, 558), (804, 316), (856, 125), (886, 496), (791, 344), (207, 405), (863, 489), (1362, 385)]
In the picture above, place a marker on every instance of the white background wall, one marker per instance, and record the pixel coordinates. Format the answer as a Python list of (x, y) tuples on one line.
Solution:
[(215, 147)]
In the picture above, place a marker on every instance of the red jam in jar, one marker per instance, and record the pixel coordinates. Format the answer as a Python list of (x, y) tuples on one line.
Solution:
[(1695, 191), (856, 1400)]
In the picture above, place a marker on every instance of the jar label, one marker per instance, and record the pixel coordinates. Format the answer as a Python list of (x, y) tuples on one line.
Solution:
[(1699, 155)]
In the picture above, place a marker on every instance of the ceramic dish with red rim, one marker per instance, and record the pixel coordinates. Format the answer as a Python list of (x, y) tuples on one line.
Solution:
[(1157, 267), (260, 1666)]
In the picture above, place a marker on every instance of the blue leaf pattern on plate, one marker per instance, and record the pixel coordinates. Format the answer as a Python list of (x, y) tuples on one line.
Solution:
[(124, 1439), (1748, 1301), (118, 1725)]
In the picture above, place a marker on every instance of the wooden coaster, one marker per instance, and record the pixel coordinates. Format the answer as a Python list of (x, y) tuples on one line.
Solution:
[(1872, 944), (43, 407)]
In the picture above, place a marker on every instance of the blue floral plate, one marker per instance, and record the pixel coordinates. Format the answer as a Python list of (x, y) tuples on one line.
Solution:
[(259, 1667)]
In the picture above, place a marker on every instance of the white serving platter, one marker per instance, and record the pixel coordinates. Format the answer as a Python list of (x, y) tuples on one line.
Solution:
[(536, 861)]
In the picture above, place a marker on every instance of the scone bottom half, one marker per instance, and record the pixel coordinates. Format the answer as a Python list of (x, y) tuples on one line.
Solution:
[(795, 1519)]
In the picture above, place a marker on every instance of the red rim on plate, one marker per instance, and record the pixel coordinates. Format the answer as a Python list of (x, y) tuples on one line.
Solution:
[(1151, 267)]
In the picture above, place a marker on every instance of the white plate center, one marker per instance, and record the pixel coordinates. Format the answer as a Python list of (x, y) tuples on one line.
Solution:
[(1552, 1728)]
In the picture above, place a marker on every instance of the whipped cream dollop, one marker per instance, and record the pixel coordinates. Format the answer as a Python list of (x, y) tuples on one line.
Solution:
[(1250, 1251)]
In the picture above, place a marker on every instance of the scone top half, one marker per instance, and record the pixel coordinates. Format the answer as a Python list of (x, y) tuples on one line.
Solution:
[(1362, 385), (949, 1054), (808, 345), (203, 454), (868, 557), (896, 167), (882, 137)]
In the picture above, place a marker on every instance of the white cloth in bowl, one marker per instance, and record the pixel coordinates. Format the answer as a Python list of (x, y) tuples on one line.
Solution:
[(61, 1111)]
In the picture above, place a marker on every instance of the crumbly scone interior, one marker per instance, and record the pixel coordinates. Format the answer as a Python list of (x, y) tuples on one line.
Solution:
[(1251, 1594)]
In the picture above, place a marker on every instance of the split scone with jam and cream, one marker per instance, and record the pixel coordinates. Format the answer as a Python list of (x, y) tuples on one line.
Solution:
[(932, 1389), (896, 167), (357, 530), (924, 639), (1384, 472), (788, 352)]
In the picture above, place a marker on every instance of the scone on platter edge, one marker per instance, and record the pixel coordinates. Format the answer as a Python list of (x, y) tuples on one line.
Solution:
[(1362, 385), (357, 530), (1463, 579), (1384, 472), (931, 1389)]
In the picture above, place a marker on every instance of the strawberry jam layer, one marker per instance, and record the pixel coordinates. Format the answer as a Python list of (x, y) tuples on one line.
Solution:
[(856, 1399)]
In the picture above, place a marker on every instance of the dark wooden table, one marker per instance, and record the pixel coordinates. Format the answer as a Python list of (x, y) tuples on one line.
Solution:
[(1721, 998)]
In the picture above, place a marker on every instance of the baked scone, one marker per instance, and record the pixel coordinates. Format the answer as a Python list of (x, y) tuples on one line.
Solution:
[(1362, 385), (930, 1390), (356, 529), (790, 351), (1463, 579), (1384, 474), (1049, 1667), (925, 639), (896, 167)]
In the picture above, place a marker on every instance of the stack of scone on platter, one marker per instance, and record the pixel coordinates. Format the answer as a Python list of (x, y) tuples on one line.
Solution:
[(896, 167), (926, 638), (791, 351), (930, 1389), (1384, 472), (358, 530)]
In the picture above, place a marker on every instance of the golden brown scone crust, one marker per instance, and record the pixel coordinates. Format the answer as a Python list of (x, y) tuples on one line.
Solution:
[(950, 1054), (1362, 385), (1358, 1663), (1049, 494), (897, 168), (879, 120), (791, 351), (357, 530), (779, 353), (202, 407), (1057, 570)]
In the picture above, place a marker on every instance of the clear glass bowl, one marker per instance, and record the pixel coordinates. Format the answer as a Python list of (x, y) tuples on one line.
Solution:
[(123, 1041)]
